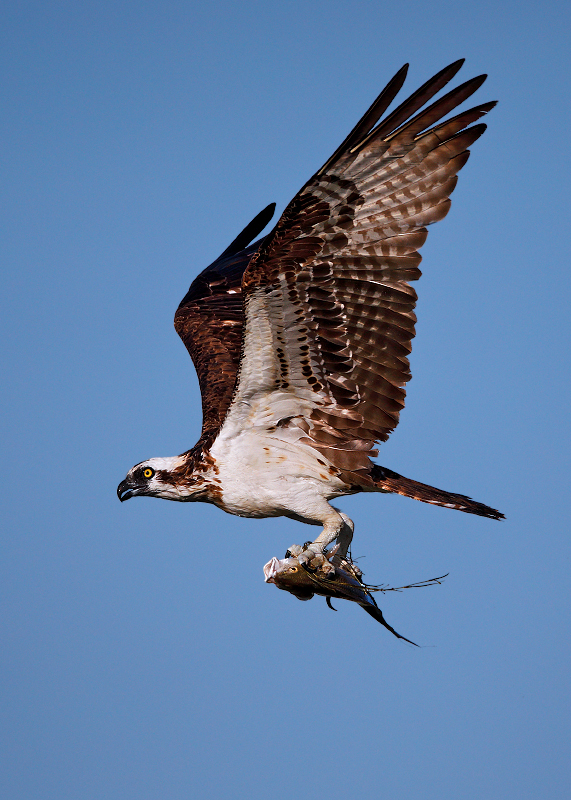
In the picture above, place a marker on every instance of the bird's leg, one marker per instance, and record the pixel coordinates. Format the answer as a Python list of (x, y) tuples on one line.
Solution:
[(336, 526), (345, 536)]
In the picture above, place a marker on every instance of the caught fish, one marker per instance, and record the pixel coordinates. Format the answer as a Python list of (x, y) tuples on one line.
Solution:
[(332, 576)]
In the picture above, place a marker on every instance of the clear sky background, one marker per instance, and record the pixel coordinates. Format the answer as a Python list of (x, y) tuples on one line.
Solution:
[(143, 657)]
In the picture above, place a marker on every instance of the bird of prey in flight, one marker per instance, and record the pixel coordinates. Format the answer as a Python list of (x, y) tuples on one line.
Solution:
[(301, 339)]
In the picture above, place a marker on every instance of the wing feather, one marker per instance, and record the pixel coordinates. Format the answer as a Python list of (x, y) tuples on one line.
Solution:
[(329, 313), (210, 321)]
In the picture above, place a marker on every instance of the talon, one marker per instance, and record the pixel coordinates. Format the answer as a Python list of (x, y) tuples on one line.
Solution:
[(309, 552), (293, 551), (328, 571)]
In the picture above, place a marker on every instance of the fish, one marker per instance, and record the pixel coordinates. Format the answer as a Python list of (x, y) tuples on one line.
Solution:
[(332, 575)]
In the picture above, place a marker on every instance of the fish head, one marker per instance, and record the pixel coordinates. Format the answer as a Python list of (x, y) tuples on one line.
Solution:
[(289, 575)]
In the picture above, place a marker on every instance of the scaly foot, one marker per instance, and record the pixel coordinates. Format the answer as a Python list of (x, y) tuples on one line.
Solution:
[(312, 556)]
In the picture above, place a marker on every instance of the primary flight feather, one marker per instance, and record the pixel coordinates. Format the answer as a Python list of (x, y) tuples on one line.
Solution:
[(301, 340)]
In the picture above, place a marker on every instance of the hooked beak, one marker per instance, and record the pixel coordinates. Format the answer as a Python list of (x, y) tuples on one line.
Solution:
[(124, 491)]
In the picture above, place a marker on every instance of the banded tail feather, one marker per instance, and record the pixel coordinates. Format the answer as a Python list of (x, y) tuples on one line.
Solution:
[(389, 481)]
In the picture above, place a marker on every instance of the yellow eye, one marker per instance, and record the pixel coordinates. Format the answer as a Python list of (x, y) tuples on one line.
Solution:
[(148, 473)]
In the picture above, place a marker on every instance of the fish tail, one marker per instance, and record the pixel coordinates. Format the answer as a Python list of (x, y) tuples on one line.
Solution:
[(377, 614)]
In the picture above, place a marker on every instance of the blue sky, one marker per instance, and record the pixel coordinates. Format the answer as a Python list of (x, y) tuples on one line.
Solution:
[(143, 656)]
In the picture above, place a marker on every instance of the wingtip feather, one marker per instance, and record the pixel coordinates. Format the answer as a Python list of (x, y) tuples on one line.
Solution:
[(252, 229)]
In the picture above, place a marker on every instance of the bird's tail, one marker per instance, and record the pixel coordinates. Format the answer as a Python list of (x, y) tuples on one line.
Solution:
[(389, 481)]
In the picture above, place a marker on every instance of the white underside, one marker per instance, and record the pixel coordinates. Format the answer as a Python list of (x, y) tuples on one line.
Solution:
[(264, 470), (265, 474)]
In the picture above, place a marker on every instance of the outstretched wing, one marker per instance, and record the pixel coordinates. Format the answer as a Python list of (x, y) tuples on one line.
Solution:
[(328, 305), (210, 319)]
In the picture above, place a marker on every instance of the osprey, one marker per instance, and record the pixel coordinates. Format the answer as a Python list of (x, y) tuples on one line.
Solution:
[(301, 340)]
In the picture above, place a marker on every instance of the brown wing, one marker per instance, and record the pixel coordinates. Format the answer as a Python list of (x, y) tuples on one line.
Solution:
[(334, 275), (210, 320)]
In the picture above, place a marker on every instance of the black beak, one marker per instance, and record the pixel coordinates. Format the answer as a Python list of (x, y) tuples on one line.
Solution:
[(124, 491)]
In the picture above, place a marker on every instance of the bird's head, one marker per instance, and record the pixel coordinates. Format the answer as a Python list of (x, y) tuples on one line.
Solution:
[(159, 477)]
